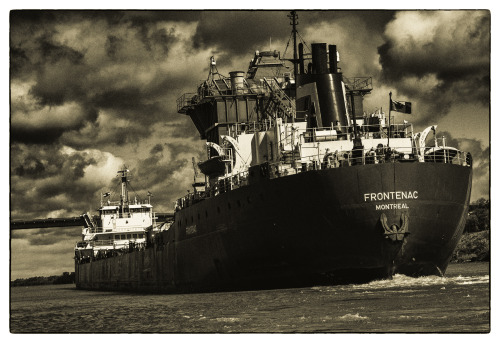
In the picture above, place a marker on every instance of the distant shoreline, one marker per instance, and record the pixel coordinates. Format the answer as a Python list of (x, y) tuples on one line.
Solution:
[(65, 278)]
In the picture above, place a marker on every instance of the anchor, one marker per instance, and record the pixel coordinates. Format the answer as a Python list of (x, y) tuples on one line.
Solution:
[(395, 232)]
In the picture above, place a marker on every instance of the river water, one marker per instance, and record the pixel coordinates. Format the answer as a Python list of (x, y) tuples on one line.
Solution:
[(458, 302)]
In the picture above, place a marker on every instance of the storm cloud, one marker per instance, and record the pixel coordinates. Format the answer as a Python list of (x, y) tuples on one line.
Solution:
[(438, 58)]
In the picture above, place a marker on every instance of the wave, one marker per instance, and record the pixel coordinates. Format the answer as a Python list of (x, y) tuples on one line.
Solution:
[(403, 281)]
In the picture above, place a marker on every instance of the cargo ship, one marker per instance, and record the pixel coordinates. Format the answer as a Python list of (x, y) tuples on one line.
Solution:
[(301, 186)]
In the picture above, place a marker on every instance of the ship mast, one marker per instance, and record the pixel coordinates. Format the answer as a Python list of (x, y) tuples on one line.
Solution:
[(293, 17), (124, 193)]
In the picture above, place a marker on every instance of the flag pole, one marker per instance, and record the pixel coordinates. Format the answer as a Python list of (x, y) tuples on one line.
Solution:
[(389, 128)]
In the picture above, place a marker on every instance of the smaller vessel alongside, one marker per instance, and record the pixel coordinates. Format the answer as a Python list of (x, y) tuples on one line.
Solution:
[(120, 226)]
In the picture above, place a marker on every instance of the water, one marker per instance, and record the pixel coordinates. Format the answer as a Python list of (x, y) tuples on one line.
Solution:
[(459, 302)]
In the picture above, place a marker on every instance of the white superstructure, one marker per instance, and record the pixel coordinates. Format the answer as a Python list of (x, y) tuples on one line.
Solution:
[(119, 226)]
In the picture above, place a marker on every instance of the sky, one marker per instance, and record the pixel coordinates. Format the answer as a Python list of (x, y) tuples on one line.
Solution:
[(92, 91)]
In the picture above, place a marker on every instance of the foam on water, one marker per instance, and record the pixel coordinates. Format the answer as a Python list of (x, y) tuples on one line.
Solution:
[(403, 281), (406, 281), (353, 317), (227, 320)]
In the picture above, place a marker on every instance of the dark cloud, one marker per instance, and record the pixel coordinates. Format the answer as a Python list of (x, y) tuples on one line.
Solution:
[(240, 32), (377, 19), (65, 77), (50, 180), (96, 136), (113, 44), (44, 161), (32, 167), (442, 61), (159, 38), (138, 18), (480, 162), (113, 17), (119, 98), (48, 236)]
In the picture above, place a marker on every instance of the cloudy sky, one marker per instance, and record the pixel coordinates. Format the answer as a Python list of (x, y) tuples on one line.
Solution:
[(91, 91)]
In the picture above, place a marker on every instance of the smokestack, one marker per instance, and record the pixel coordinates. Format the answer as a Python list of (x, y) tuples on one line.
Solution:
[(319, 58), (332, 55), (237, 81)]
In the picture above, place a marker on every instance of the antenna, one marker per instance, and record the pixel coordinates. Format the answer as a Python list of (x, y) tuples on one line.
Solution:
[(294, 22), (195, 169)]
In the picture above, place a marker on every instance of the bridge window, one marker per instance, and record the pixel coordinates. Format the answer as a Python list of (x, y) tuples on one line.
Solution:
[(122, 237)]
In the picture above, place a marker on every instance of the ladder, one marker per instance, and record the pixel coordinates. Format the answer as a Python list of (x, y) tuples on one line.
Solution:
[(279, 102)]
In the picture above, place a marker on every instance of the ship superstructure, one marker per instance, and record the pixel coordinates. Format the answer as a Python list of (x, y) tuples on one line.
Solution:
[(302, 186), (119, 226)]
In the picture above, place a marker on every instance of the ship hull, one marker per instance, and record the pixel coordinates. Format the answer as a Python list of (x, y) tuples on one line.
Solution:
[(315, 227)]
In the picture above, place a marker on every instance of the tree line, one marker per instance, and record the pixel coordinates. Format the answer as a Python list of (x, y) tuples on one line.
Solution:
[(474, 245), (65, 278), (479, 216)]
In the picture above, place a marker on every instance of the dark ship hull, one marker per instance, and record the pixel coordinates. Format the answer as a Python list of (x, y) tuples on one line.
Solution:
[(314, 227)]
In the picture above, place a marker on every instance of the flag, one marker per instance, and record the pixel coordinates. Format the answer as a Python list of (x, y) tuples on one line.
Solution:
[(401, 106)]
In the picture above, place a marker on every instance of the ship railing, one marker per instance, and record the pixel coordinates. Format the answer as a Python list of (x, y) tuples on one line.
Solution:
[(112, 229), (101, 243), (382, 154), (338, 159), (86, 256), (110, 243), (366, 131), (359, 83), (185, 101), (234, 181), (251, 127), (220, 88)]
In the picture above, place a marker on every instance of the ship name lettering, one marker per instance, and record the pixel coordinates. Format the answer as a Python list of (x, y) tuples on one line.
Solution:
[(399, 206), (398, 195)]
